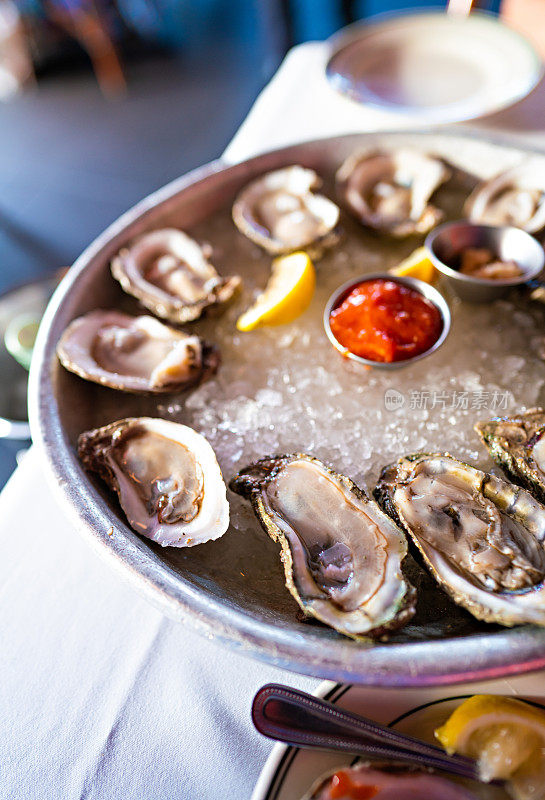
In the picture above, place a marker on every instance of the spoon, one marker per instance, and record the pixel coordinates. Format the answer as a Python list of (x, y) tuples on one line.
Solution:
[(302, 720)]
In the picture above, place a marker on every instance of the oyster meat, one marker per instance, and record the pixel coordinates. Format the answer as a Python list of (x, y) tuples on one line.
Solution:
[(386, 782), (390, 191), (281, 213), (170, 274), (514, 197), (166, 477), (517, 444), (134, 354), (481, 537), (342, 556)]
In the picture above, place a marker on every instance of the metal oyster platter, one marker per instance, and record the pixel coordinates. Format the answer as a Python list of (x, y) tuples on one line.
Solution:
[(287, 390)]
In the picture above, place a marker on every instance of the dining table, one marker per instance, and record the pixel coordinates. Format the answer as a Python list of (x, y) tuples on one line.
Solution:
[(101, 695)]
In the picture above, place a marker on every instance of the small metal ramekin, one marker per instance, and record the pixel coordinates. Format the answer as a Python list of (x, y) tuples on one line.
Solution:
[(421, 287), (447, 241)]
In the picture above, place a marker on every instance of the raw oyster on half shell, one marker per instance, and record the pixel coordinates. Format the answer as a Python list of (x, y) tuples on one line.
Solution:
[(165, 475), (386, 782), (390, 191), (170, 274), (514, 197), (482, 538), (134, 354), (517, 444), (342, 556), (281, 212)]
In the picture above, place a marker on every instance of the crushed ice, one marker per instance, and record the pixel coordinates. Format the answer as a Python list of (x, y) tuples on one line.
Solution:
[(286, 389)]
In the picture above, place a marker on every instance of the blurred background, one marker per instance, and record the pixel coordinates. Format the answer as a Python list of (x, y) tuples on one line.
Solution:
[(103, 101)]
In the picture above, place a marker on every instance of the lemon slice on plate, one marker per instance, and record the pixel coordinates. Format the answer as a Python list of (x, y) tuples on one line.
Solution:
[(417, 265), (506, 736), (287, 294)]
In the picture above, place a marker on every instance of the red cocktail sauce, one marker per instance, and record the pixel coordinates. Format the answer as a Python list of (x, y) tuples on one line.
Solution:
[(383, 320), (343, 787)]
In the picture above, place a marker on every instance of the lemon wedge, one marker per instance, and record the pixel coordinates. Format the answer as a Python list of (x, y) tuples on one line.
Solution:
[(506, 736), (417, 265), (287, 294)]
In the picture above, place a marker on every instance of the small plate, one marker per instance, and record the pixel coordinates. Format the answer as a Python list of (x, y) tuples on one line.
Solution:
[(28, 301), (289, 772), (433, 66)]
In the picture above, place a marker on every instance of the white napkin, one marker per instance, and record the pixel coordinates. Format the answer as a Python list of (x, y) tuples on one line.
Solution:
[(300, 105), (100, 696)]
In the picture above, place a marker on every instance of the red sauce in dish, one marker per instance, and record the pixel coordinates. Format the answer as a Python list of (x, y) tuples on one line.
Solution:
[(343, 788), (383, 320)]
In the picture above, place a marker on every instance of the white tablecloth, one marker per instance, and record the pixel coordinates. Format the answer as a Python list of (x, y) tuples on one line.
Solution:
[(100, 696)]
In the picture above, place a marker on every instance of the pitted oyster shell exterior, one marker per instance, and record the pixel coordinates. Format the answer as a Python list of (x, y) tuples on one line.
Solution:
[(517, 444), (388, 781), (515, 197), (170, 274), (281, 212), (482, 538), (134, 354), (390, 191), (342, 556), (165, 475)]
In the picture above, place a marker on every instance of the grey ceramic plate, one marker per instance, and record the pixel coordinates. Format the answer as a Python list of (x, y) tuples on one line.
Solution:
[(232, 589)]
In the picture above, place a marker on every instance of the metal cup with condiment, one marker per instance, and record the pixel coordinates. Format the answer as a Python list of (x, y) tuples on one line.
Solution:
[(447, 242), (428, 292)]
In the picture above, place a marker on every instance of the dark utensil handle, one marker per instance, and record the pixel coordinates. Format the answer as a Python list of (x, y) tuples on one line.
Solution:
[(302, 720)]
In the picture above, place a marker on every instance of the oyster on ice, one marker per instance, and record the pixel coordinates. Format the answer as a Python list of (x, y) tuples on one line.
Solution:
[(170, 274), (342, 556), (387, 781), (482, 538), (390, 191), (517, 444), (165, 475), (281, 213), (514, 197), (134, 354)]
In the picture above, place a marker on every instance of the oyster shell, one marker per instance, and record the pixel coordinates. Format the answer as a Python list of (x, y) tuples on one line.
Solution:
[(169, 273), (482, 537), (390, 191), (280, 212), (166, 477), (517, 444), (387, 781), (342, 556), (514, 197), (134, 354)]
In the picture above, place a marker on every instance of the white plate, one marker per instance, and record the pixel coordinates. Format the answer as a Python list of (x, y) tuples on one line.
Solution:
[(290, 772), (433, 66)]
